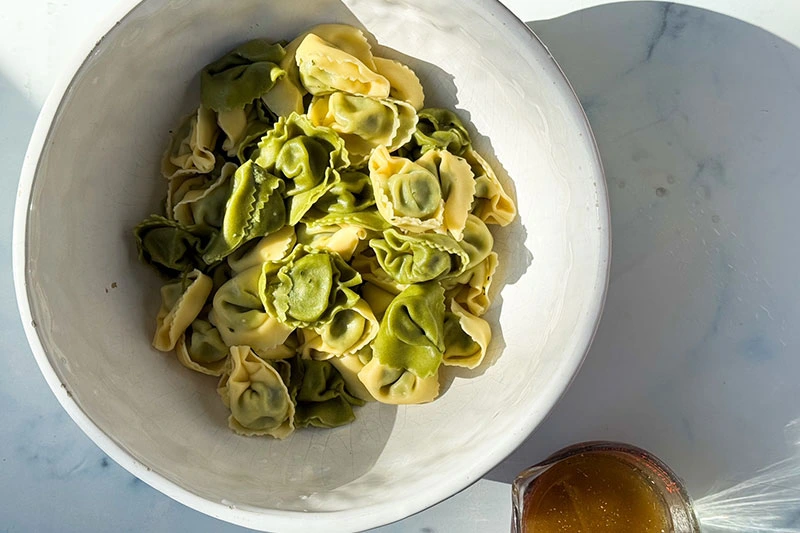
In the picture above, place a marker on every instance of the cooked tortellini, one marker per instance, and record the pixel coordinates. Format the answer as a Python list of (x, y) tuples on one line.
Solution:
[(241, 76), (254, 208), (306, 156), (273, 247), (320, 395), (243, 127), (201, 202), (181, 302), (257, 395), (404, 83), (365, 123), (202, 349), (191, 149), (397, 386), (466, 337), (325, 238), (411, 334), (347, 332), (308, 288), (417, 258), (408, 195), (326, 68), (240, 316), (340, 238)]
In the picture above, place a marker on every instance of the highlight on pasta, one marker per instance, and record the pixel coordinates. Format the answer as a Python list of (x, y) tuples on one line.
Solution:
[(324, 237)]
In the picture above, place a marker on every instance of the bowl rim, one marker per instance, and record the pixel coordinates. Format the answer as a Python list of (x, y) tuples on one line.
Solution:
[(272, 519)]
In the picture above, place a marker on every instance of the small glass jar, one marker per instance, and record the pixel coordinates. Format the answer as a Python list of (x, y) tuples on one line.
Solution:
[(601, 487)]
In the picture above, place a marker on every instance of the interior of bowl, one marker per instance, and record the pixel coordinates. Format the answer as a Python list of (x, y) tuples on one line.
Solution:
[(93, 304)]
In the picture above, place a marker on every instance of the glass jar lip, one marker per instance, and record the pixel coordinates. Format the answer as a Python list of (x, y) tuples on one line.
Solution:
[(639, 454)]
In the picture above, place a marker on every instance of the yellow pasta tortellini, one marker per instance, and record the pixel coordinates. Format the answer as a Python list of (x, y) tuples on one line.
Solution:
[(342, 239), (181, 302), (257, 395), (397, 386), (244, 126), (273, 247), (407, 195), (349, 367), (471, 289), (404, 83), (325, 68), (191, 149), (378, 298), (286, 97), (348, 331), (364, 123), (240, 316), (458, 188), (492, 204), (435, 192), (466, 337)]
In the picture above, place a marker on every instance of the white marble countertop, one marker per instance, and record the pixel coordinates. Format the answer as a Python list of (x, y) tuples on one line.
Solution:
[(696, 115)]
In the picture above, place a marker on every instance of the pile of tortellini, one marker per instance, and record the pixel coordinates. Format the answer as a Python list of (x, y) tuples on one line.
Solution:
[(325, 235)]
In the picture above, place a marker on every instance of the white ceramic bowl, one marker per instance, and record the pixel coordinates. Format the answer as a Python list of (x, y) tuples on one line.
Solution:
[(91, 173)]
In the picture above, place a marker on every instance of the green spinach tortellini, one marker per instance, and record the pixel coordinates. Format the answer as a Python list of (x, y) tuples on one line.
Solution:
[(201, 202), (321, 396), (438, 129), (308, 287), (411, 334), (241, 76), (325, 237), (417, 258), (306, 156), (169, 246), (254, 208), (351, 194)]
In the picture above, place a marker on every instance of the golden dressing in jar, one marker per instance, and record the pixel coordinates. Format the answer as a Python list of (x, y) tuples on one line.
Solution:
[(594, 493), (601, 487)]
